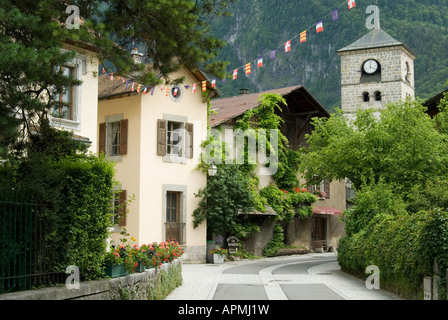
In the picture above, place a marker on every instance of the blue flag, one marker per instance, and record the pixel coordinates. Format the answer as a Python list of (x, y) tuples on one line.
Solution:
[(335, 14)]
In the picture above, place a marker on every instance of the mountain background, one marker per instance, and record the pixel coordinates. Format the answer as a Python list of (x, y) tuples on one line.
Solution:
[(258, 26)]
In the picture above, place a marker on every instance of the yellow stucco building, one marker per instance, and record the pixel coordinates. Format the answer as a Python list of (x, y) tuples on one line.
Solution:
[(155, 139)]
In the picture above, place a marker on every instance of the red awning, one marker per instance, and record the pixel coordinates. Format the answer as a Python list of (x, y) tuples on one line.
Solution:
[(327, 210)]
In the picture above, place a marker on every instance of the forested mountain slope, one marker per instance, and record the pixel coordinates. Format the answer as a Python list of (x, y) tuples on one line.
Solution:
[(259, 26)]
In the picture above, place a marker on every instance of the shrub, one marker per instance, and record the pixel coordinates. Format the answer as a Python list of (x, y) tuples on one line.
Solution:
[(403, 246)]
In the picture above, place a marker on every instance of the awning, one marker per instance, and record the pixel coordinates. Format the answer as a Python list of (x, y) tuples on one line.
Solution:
[(327, 210)]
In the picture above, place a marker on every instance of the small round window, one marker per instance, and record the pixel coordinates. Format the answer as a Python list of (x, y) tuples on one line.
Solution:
[(176, 93)]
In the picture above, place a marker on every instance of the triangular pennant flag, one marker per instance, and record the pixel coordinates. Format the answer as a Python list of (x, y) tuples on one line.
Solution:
[(319, 26), (273, 52), (288, 46), (167, 91), (194, 88), (123, 80), (162, 88), (104, 70), (260, 62), (235, 74), (335, 15), (213, 83), (152, 90), (132, 88), (144, 90), (111, 77), (204, 85), (351, 4), (303, 36), (187, 86), (138, 88), (175, 91), (248, 69)]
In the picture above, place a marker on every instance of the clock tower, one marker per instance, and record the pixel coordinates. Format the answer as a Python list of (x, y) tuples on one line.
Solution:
[(375, 70)]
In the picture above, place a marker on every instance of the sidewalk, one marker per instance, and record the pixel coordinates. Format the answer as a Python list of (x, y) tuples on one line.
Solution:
[(201, 280)]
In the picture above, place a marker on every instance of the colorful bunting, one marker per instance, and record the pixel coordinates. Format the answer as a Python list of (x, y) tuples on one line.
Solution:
[(247, 66), (288, 46), (335, 15), (303, 36), (319, 26), (248, 69), (351, 4)]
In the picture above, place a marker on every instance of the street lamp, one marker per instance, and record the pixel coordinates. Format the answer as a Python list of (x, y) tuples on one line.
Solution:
[(212, 169)]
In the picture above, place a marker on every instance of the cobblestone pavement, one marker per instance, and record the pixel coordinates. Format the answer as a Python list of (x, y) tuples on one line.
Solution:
[(315, 276)]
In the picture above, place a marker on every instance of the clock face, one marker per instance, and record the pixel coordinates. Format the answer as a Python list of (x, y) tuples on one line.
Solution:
[(370, 66)]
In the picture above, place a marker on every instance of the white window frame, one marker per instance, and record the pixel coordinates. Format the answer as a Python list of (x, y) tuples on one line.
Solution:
[(182, 120), (79, 65)]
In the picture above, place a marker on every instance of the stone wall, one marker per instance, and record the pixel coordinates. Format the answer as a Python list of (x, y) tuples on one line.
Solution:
[(395, 84), (152, 284)]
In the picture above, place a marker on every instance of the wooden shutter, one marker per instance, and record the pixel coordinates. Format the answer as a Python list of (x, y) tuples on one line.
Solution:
[(161, 137), (124, 136), (327, 188), (102, 138), (122, 212), (189, 147)]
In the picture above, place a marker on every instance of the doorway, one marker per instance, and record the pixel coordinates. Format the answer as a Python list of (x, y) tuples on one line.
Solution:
[(319, 232)]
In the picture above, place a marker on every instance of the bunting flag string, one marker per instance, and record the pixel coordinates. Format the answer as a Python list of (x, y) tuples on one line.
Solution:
[(259, 62)]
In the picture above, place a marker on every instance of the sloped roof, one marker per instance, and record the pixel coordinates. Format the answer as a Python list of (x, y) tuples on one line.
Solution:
[(229, 108), (114, 88), (377, 38)]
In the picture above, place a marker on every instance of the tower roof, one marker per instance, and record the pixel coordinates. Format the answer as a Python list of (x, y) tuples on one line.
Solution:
[(377, 38)]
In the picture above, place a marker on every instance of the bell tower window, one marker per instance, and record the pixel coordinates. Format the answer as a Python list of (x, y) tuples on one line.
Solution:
[(365, 97), (378, 96)]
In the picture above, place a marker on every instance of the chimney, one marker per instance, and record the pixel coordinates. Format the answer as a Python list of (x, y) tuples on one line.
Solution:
[(244, 91), (136, 56)]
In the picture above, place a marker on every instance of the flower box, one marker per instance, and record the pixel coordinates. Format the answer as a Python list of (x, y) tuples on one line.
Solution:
[(116, 270), (140, 267), (218, 258)]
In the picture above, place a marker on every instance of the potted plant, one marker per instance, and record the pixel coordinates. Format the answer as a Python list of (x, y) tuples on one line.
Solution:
[(219, 255), (115, 264)]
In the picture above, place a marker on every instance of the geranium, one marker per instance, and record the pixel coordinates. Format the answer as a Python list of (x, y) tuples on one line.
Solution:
[(219, 251)]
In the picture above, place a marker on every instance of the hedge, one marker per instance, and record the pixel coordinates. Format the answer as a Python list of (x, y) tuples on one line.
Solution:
[(404, 247)]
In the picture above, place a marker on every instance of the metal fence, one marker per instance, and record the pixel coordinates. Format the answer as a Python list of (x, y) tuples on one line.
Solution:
[(25, 257)]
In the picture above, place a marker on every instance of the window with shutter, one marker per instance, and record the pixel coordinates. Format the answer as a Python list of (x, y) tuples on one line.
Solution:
[(122, 208), (102, 138), (327, 188), (189, 141), (113, 136), (161, 137), (124, 136)]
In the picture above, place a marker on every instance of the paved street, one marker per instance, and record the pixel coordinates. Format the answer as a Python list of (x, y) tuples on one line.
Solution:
[(315, 276)]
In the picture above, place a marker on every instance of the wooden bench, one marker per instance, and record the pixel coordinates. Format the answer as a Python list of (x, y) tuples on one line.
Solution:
[(320, 244)]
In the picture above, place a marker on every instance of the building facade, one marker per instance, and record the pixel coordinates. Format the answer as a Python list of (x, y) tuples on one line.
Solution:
[(145, 135), (375, 70)]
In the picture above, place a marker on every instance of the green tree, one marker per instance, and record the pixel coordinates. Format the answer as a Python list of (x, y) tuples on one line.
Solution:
[(403, 147), (171, 33), (227, 194)]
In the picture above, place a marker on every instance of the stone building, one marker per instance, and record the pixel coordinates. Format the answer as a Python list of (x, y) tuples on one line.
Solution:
[(375, 70)]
